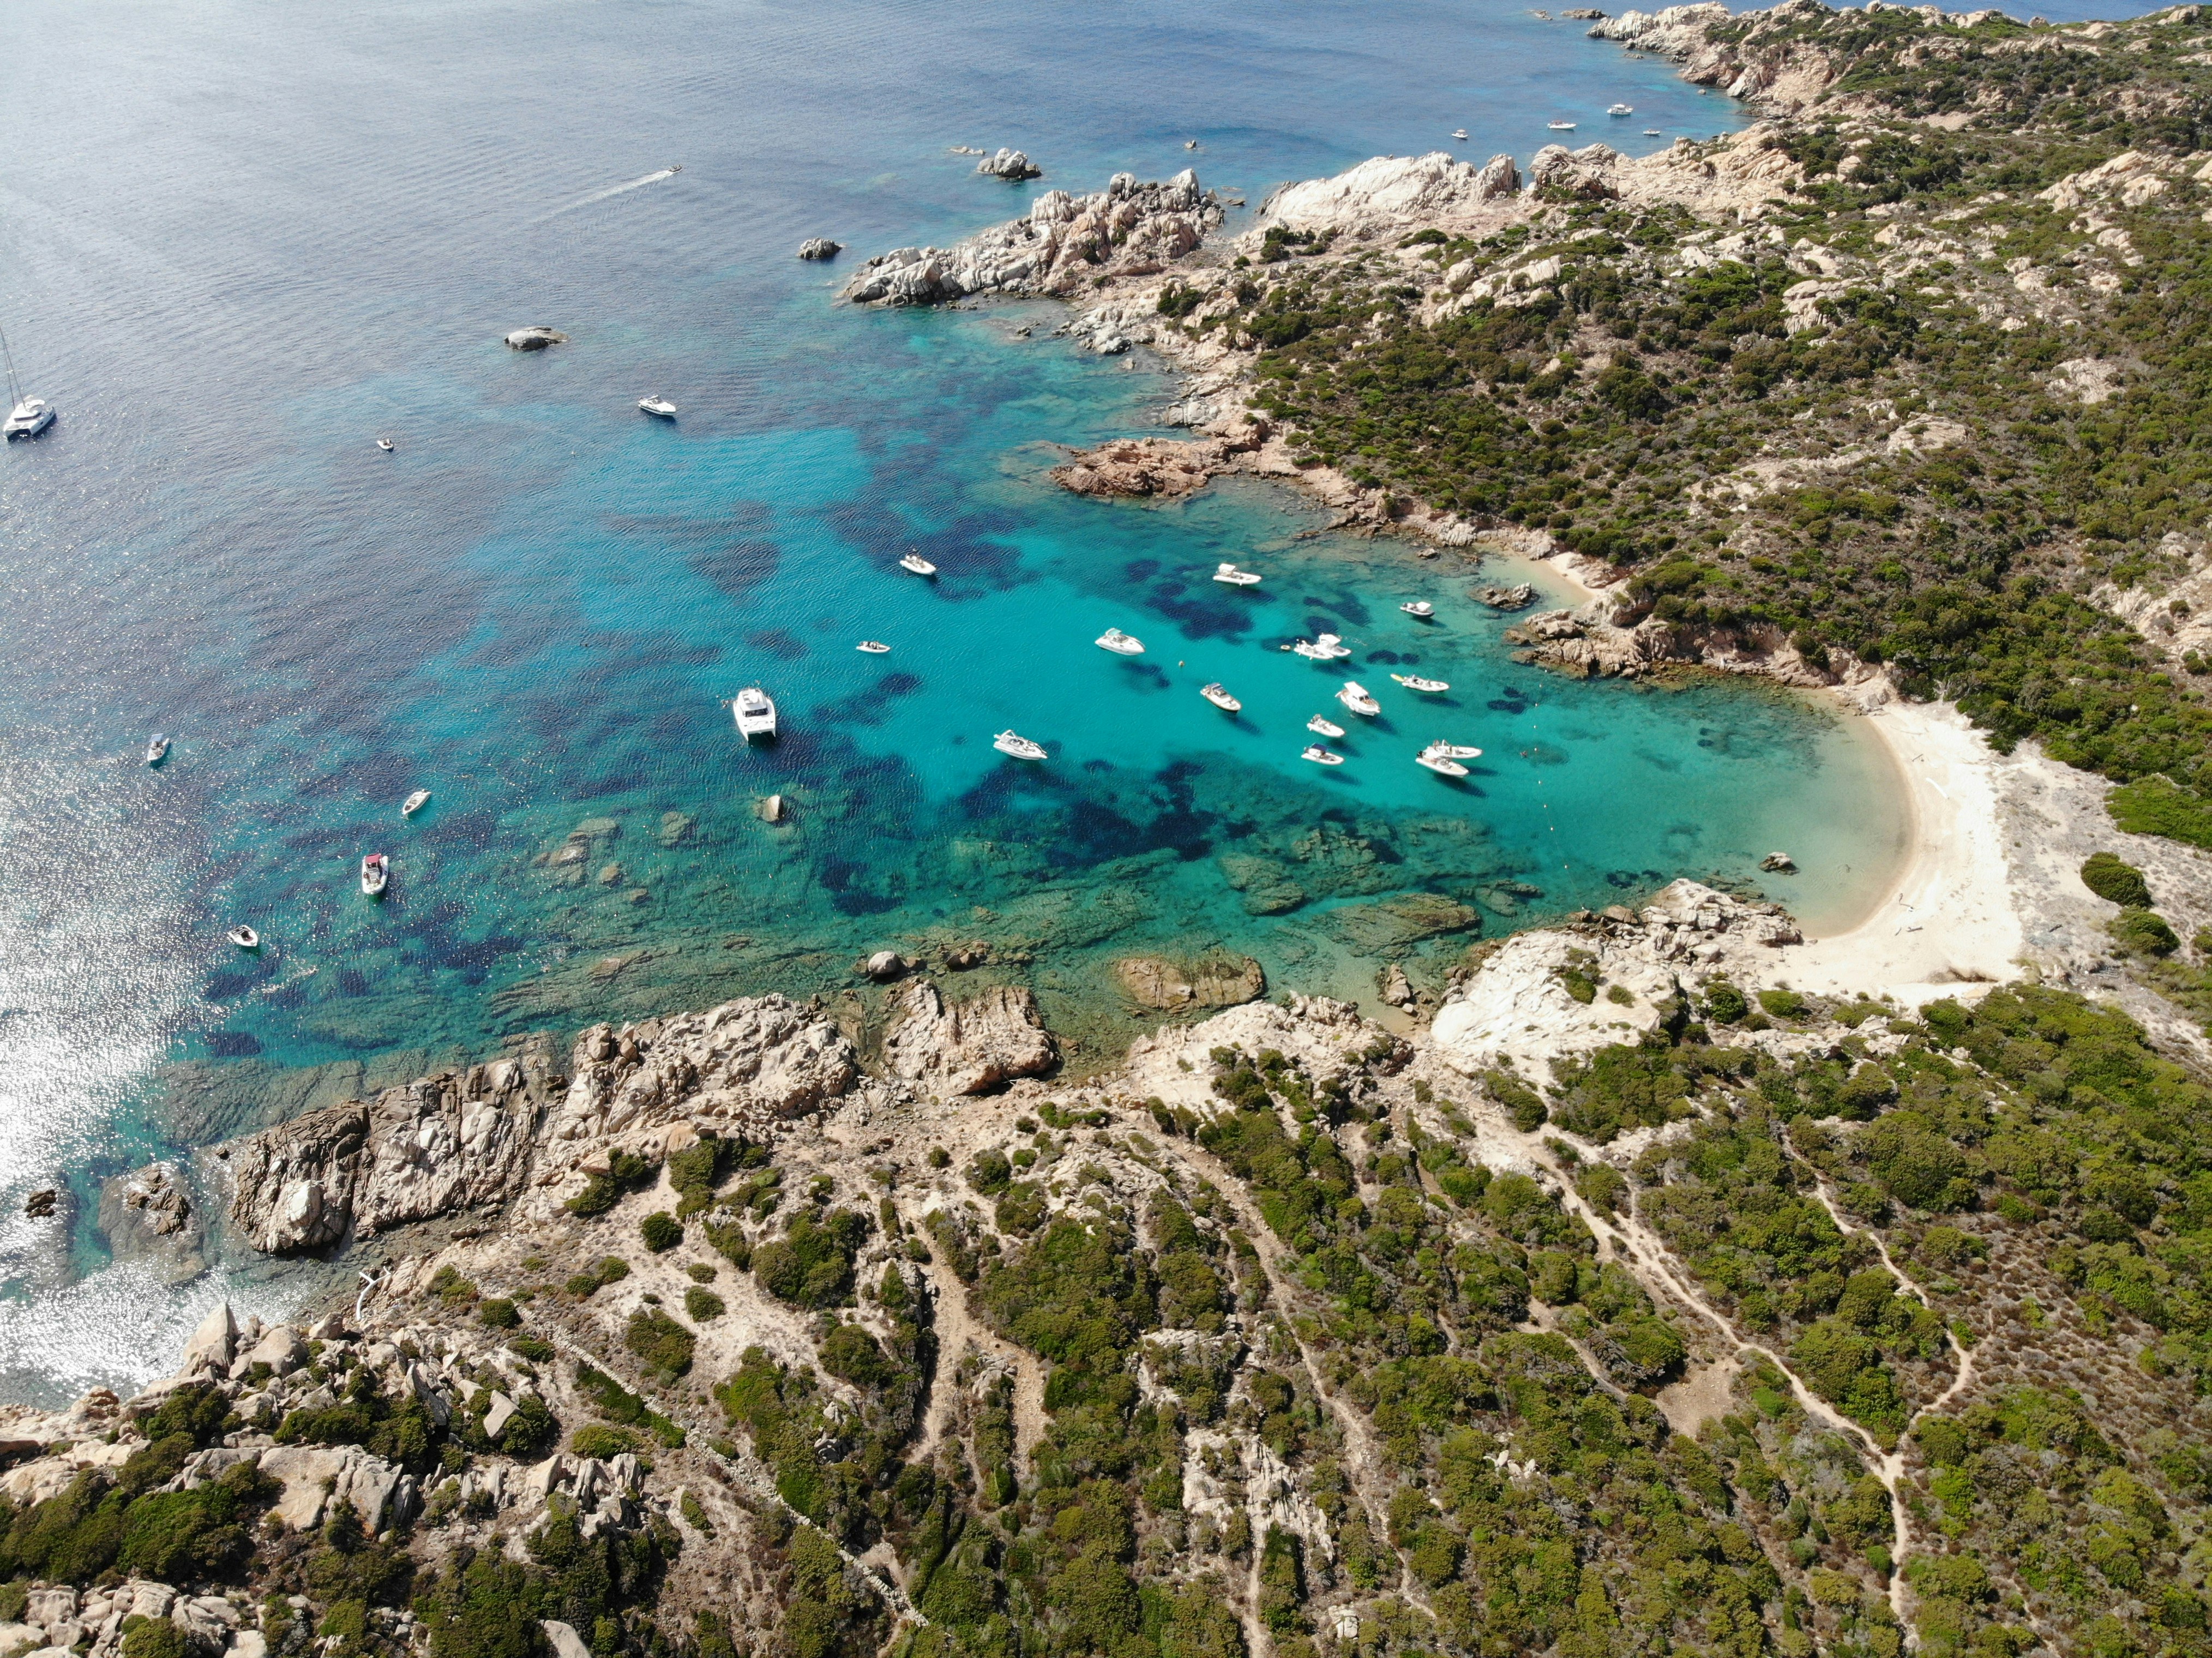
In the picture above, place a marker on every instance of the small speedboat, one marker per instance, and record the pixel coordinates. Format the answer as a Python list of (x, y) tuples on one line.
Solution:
[(1327, 648), (1456, 751), (1120, 643), (375, 874), (1620, 109), (1560, 126), (387, 445), (1421, 609), (1414, 682), (1439, 762), (754, 713), (1220, 698), (1653, 133), (918, 564), (245, 938), (157, 750), (414, 803), (1320, 755), (1325, 726), (1229, 575), (1354, 697), (1009, 742), (1460, 133), (873, 647), (29, 418), (659, 407)]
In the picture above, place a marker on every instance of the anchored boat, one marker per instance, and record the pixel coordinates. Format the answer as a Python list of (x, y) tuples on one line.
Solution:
[(157, 750), (1440, 763), (1229, 575), (414, 803), (1220, 698), (1120, 643), (1320, 757), (872, 646), (1414, 682), (918, 564), (1354, 697), (375, 874), (1325, 726), (1421, 609), (659, 407), (1009, 741), (754, 712), (245, 938)]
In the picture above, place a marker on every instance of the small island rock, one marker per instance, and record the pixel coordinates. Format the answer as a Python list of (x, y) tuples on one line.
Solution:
[(820, 247), (885, 966), (1011, 165), (535, 337)]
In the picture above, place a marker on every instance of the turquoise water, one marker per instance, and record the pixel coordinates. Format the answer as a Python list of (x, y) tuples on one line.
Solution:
[(247, 239)]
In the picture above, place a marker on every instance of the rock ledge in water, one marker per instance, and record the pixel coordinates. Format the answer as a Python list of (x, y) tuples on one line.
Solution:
[(1010, 165), (535, 337), (820, 247)]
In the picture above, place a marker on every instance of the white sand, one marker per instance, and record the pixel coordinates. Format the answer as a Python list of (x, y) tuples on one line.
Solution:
[(1952, 917)]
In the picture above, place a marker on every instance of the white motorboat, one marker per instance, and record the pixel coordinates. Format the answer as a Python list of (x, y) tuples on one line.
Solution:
[(1421, 609), (1354, 697), (245, 938), (1229, 575), (1620, 109), (387, 445), (1560, 126), (1414, 682), (659, 407), (1456, 751), (27, 416), (1320, 757), (414, 803), (1020, 747), (754, 713), (1327, 648), (1653, 133), (1460, 133), (1217, 695), (1120, 643), (918, 564), (1441, 763), (1325, 726), (157, 748), (375, 874), (873, 647)]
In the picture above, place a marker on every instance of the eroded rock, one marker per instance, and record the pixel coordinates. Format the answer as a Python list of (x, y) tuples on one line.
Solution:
[(968, 1047)]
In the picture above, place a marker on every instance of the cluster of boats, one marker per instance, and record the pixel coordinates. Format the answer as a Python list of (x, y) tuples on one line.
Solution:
[(375, 866)]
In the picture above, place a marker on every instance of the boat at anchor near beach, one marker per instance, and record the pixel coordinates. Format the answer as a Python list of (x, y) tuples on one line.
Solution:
[(1228, 575), (1439, 762), (1020, 747), (1220, 698), (918, 564), (1320, 757), (1325, 726), (1355, 697), (1414, 682), (1120, 643)]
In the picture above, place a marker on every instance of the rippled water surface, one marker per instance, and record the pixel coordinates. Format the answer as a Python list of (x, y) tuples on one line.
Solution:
[(240, 239)]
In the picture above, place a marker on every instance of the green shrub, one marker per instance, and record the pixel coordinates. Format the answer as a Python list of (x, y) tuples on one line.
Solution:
[(2154, 806), (703, 1304), (1724, 1003), (665, 1346), (811, 1265), (1782, 1003), (155, 1638), (2144, 931), (857, 1356), (499, 1314), (532, 1348), (626, 1172), (989, 1173), (617, 1404), (661, 1231), (1521, 1101), (597, 1440), (2115, 881)]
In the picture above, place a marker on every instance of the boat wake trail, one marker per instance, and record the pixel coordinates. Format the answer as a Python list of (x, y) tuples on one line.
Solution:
[(614, 190)]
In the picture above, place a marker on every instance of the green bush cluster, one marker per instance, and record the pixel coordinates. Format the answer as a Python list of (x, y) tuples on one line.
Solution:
[(811, 1264)]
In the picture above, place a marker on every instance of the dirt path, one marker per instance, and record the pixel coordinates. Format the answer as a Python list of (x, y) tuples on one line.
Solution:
[(1964, 1379), (957, 1329)]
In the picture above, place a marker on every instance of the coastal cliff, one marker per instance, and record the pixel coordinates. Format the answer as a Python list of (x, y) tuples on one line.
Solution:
[(1335, 1335)]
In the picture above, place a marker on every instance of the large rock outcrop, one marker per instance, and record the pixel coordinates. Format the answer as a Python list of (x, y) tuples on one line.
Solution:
[(445, 1143), (969, 1047), (1129, 228), (149, 1218), (1394, 190)]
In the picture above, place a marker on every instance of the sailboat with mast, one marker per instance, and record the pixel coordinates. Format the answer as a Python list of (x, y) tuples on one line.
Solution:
[(27, 416)]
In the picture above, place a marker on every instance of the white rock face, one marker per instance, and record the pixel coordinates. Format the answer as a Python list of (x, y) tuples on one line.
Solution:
[(1062, 243), (970, 1047), (567, 1643), (315, 1476), (1010, 165), (1516, 1008), (1394, 188)]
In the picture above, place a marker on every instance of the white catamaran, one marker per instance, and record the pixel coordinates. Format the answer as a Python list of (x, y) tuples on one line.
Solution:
[(27, 416)]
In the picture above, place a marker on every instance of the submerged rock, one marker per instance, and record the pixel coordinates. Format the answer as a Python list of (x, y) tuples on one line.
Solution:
[(1214, 981), (1779, 863), (535, 337), (148, 1218), (968, 1047)]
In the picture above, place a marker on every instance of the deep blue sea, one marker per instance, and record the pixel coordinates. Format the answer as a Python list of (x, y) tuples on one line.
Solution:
[(239, 240)]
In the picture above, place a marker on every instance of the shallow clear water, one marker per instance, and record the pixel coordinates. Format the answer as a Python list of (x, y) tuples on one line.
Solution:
[(240, 239)]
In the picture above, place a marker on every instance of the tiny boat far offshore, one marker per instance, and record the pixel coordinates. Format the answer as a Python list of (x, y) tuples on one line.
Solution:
[(244, 937), (1354, 697), (157, 748), (1620, 109), (1325, 726), (1460, 133), (754, 712), (872, 646), (1442, 764), (1229, 575), (1414, 682), (1560, 126), (1320, 757), (387, 445), (657, 406), (1421, 609), (1217, 695), (1009, 741), (375, 874), (1120, 643), (918, 564), (414, 803)]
